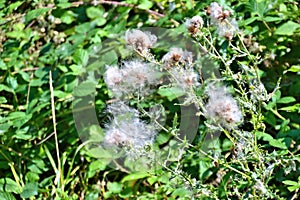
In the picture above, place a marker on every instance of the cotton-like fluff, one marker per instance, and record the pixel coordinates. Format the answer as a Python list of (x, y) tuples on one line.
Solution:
[(222, 108), (113, 76), (227, 29), (184, 78), (139, 74), (132, 77), (126, 129), (217, 14), (177, 55), (220, 18), (139, 40), (194, 24)]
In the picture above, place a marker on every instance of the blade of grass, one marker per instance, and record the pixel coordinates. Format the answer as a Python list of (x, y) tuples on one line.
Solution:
[(59, 177)]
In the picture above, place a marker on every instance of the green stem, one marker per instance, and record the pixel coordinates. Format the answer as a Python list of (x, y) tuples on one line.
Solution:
[(59, 174)]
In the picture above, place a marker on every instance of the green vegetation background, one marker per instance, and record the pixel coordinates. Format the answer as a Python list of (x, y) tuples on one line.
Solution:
[(37, 37)]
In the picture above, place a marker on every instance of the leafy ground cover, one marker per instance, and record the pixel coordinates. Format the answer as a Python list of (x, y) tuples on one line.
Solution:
[(143, 99)]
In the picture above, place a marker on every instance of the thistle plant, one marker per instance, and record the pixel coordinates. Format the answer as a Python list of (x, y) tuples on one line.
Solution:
[(202, 104), (228, 102)]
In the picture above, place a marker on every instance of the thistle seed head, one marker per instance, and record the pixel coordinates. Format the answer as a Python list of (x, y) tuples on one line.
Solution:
[(139, 40)]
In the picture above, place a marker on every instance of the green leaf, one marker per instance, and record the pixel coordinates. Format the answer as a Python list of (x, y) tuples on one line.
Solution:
[(3, 65), (248, 21), (14, 6), (272, 19), (99, 152), (288, 182), (145, 4), (95, 12), (293, 188), (100, 21), (286, 100), (279, 143), (258, 7), (171, 93), (25, 76), (9, 185), (85, 88), (15, 115), (68, 17), (264, 136), (23, 134), (97, 165), (19, 118), (82, 29), (7, 196), (287, 28), (5, 88), (33, 14), (294, 68), (109, 58), (60, 94), (162, 138), (37, 82), (32, 177), (4, 128), (64, 5), (81, 57), (227, 145), (294, 185), (96, 133), (181, 192), (294, 108), (76, 69), (3, 100), (282, 7), (135, 176), (30, 189), (114, 187), (12, 82), (152, 179)]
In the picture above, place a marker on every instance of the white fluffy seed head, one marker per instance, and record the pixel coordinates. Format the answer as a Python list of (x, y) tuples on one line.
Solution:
[(227, 29), (133, 76), (139, 74), (194, 24), (126, 129), (139, 40), (177, 55), (216, 12), (184, 78), (222, 108), (120, 107), (113, 76)]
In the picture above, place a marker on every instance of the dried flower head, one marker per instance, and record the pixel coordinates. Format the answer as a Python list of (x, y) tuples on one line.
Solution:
[(184, 78), (222, 108), (139, 40), (132, 77), (126, 129), (194, 24), (217, 14), (227, 29), (177, 55), (252, 45)]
